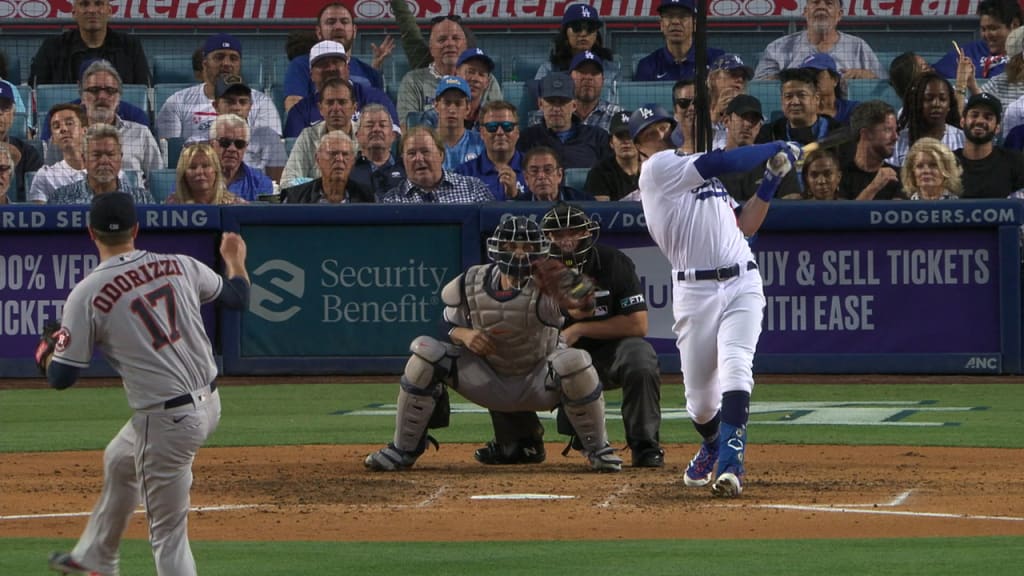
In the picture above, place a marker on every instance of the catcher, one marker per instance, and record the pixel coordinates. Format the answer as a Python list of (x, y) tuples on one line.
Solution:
[(505, 351)]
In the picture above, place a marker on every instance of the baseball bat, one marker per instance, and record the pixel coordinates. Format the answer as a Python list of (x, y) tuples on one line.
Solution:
[(833, 140)]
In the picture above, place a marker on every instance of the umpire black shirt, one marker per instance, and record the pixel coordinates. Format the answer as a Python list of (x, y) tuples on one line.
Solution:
[(617, 289)]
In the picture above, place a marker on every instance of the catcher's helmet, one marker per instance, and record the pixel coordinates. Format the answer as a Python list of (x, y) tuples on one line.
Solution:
[(572, 218), (517, 229)]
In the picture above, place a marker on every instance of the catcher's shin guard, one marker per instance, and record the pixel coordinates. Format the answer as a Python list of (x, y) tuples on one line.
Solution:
[(422, 383), (584, 404)]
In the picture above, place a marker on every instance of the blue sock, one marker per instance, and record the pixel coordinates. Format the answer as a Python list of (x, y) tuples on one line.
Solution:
[(709, 430), (736, 408)]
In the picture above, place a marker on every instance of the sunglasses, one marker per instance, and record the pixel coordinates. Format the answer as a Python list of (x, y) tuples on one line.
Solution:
[(506, 127), (684, 103), (97, 90), (227, 142), (583, 27), (453, 17)]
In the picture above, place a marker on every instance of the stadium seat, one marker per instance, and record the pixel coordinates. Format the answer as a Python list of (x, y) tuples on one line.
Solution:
[(137, 94), (525, 66), (19, 127), (29, 177), (633, 95), (13, 71), (49, 95), (769, 93), (161, 184), (174, 147), (874, 89), (516, 94), (576, 177), (172, 69)]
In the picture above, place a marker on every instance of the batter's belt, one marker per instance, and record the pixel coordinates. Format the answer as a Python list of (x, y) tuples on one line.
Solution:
[(718, 274)]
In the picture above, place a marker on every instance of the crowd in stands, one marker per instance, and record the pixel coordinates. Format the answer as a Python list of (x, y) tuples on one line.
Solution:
[(450, 135)]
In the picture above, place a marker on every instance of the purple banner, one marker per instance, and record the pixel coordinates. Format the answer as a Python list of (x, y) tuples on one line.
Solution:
[(37, 271)]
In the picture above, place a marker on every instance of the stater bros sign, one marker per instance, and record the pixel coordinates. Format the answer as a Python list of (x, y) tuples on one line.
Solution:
[(472, 9)]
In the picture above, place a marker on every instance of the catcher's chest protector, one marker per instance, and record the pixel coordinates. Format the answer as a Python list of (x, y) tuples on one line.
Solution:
[(522, 339)]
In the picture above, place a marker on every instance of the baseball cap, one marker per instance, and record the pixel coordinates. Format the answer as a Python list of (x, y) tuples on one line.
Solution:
[(221, 42), (647, 115), (985, 99), (744, 104), (584, 57), (688, 4), (326, 48), (230, 83), (452, 83), (1015, 42), (732, 62), (557, 85), (577, 12), (479, 55), (112, 212), (820, 61), (620, 122), (6, 92)]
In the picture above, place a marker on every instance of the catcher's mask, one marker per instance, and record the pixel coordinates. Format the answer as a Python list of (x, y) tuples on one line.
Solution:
[(573, 248), (516, 244)]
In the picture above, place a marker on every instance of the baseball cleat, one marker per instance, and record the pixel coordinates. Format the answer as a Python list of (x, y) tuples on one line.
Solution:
[(649, 458), (702, 467), (63, 562), (390, 459), (529, 452), (728, 485), (604, 460)]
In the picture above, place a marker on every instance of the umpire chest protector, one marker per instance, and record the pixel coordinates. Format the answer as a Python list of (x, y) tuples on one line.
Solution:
[(513, 321)]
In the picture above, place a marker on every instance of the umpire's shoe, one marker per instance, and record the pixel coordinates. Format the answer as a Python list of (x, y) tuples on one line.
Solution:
[(524, 452), (63, 562), (651, 457)]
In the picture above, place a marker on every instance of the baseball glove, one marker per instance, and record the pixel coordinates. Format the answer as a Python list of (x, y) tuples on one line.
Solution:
[(568, 287), (47, 344)]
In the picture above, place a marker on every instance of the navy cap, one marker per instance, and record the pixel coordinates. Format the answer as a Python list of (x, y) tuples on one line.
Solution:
[(985, 99), (732, 62), (577, 12), (647, 115), (557, 85), (620, 123), (687, 4), (479, 55), (6, 92), (112, 212), (584, 57), (820, 61), (230, 83), (221, 42), (745, 104), (447, 83)]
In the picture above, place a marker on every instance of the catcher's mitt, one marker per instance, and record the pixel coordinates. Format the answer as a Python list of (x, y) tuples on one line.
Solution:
[(47, 344), (568, 287)]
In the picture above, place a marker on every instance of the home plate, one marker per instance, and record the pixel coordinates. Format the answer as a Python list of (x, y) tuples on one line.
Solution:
[(521, 497)]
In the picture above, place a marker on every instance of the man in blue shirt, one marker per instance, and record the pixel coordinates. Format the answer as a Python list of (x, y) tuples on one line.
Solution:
[(451, 101), (229, 136), (500, 166), (578, 145), (675, 60), (997, 18)]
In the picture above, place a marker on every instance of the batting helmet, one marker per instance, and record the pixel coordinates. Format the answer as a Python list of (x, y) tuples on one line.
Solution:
[(566, 217), (516, 244), (647, 115)]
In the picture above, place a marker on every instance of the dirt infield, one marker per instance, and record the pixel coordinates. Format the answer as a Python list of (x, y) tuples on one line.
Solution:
[(323, 493)]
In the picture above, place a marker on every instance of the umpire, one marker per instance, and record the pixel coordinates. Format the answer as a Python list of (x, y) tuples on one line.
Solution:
[(613, 333)]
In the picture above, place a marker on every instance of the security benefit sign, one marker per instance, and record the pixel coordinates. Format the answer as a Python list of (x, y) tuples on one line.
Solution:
[(921, 291), (346, 290)]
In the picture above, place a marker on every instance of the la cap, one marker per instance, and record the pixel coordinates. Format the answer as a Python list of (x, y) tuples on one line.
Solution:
[(221, 42)]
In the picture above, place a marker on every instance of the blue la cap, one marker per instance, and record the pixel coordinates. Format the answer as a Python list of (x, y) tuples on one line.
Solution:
[(221, 42), (557, 85), (577, 12), (687, 4), (584, 57), (452, 83), (479, 55), (647, 115), (731, 62), (6, 92), (820, 61)]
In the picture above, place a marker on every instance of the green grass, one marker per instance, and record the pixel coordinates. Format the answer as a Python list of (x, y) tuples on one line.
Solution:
[(904, 557)]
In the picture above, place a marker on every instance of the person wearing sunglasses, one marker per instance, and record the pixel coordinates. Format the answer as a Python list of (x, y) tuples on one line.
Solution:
[(200, 177), (727, 78), (676, 60), (500, 166), (125, 110), (103, 152), (229, 136), (685, 114), (580, 31), (29, 159), (578, 145), (265, 151)]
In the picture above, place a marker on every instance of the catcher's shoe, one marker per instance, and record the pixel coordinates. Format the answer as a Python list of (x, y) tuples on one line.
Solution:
[(63, 562), (604, 460), (527, 452), (702, 467), (653, 457), (391, 457)]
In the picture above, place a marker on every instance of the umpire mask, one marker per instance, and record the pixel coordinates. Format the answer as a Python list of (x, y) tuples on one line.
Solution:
[(572, 234), (516, 244)]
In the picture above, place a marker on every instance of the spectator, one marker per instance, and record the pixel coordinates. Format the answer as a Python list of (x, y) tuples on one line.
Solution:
[(903, 69), (28, 159), (475, 67), (614, 178), (336, 107), (229, 137), (334, 22), (989, 171), (59, 59), (102, 152), (335, 156), (426, 179), (801, 120), (727, 78), (67, 123), (853, 57), (197, 64), (6, 172), (931, 171), (416, 47), (929, 110), (452, 104), (587, 73), (743, 120), (676, 60), (200, 178), (580, 31), (328, 60), (821, 176), (868, 176), (831, 90), (188, 113), (545, 178), (376, 169), (987, 56), (578, 145), (1008, 85), (19, 105), (124, 110), (685, 114), (265, 151), (500, 166)]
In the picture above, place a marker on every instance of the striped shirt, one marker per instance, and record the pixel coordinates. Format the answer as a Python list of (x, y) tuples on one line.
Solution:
[(453, 189), (80, 193)]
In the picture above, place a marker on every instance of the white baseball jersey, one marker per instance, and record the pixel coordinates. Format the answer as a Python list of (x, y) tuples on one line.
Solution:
[(692, 220), (142, 310), (189, 113)]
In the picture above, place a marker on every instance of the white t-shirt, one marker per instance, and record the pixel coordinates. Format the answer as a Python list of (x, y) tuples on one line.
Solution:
[(188, 114), (49, 178)]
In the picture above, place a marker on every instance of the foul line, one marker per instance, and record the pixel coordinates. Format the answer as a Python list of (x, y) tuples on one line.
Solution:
[(888, 512), (219, 508)]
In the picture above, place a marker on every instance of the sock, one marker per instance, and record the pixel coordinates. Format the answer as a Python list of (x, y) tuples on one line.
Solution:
[(736, 408), (709, 429)]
